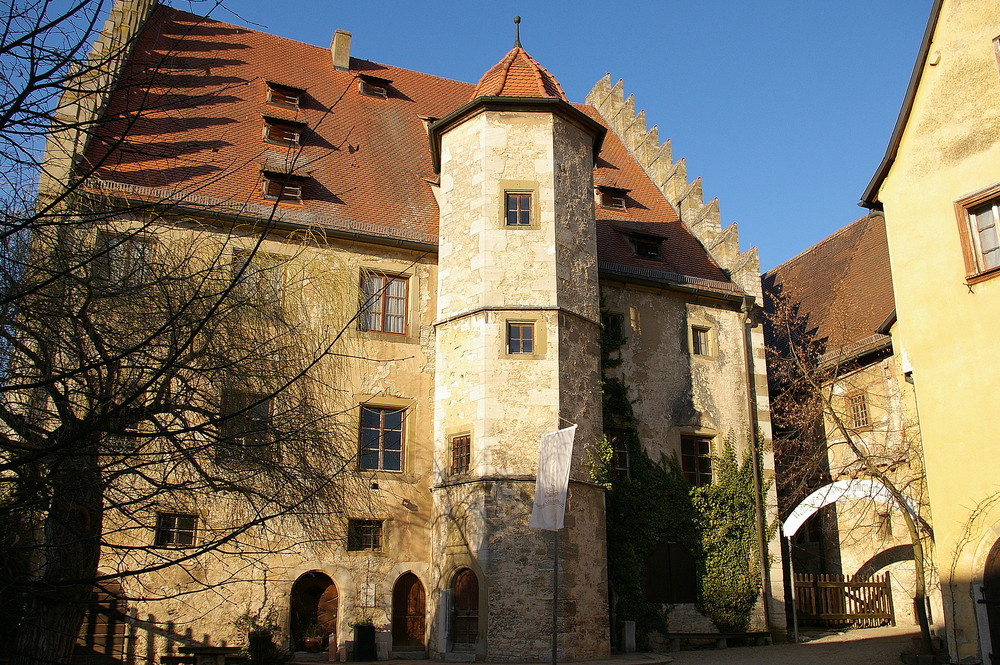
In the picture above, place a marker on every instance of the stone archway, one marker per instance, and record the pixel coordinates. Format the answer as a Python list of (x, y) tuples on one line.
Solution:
[(409, 612), (991, 599), (314, 603), (464, 610)]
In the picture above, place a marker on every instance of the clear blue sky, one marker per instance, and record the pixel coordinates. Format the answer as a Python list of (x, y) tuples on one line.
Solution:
[(783, 107)]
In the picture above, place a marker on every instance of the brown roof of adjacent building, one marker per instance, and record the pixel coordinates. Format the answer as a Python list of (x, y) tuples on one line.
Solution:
[(187, 124), (518, 75), (842, 285)]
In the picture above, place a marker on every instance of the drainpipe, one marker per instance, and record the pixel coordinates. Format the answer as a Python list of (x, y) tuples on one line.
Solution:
[(748, 310)]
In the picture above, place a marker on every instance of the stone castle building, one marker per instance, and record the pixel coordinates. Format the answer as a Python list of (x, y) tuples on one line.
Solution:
[(489, 229)]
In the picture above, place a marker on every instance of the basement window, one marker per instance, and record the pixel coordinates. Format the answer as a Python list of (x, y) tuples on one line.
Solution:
[(282, 187), (284, 96), (373, 86), (283, 132), (613, 198)]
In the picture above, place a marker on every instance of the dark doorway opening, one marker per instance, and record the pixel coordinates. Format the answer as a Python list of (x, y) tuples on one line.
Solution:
[(314, 603)]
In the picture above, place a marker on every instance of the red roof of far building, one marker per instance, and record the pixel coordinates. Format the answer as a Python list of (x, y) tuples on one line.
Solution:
[(518, 75), (188, 122)]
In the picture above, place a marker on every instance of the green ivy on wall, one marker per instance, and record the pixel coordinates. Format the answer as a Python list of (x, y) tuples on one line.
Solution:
[(652, 504)]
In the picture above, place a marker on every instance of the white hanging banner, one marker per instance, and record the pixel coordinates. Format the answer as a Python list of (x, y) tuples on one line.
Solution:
[(554, 456), (853, 488)]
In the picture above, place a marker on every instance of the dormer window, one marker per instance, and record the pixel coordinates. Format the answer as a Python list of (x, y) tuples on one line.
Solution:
[(283, 132), (373, 86), (283, 187), (612, 198), (646, 247), (284, 96)]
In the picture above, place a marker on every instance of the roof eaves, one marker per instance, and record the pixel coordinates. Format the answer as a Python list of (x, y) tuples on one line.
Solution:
[(870, 197)]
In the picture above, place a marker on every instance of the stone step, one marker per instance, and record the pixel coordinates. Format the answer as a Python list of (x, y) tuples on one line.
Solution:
[(460, 657), (413, 654)]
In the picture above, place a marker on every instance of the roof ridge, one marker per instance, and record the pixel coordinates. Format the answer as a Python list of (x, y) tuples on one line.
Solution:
[(835, 235)]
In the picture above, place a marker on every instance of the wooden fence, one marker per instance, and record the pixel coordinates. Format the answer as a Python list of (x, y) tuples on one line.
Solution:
[(844, 600)]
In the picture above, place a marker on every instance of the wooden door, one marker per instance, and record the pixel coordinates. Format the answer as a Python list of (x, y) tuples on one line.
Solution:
[(326, 615), (409, 608), (465, 609)]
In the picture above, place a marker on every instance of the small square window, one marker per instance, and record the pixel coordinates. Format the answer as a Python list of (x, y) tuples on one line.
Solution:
[(175, 529), (371, 90), (646, 247), (381, 447), (384, 306), (700, 345), (520, 337), (518, 207), (283, 132), (613, 198), (859, 410), (461, 453), (696, 460), (284, 96), (364, 535), (282, 188)]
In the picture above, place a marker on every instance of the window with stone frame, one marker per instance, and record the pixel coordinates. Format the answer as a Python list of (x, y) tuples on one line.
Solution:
[(520, 337), (701, 340), (364, 535), (461, 453), (381, 446), (123, 259), (518, 208), (696, 460), (384, 306), (621, 463), (259, 279), (858, 403), (175, 529), (245, 421)]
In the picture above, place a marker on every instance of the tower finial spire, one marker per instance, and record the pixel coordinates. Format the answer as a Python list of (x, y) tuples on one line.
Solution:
[(517, 31)]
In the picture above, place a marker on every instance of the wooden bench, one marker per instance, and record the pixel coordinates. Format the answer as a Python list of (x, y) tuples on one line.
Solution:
[(721, 639)]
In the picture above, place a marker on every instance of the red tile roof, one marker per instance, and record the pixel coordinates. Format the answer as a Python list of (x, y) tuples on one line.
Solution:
[(192, 108), (842, 284), (518, 75)]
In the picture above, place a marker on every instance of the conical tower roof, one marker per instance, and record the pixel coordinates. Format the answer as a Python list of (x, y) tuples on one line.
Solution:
[(518, 75)]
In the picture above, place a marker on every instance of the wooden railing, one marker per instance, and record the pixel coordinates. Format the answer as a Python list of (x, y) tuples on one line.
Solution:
[(844, 600)]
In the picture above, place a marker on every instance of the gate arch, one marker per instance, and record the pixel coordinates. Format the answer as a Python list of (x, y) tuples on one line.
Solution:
[(314, 602)]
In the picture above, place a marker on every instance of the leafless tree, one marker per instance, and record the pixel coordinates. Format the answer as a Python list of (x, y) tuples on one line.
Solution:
[(159, 360), (819, 412)]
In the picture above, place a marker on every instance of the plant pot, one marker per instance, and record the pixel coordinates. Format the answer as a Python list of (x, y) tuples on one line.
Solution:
[(364, 643), (312, 644)]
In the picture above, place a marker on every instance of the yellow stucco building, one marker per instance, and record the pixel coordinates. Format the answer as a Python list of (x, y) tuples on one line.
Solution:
[(939, 186)]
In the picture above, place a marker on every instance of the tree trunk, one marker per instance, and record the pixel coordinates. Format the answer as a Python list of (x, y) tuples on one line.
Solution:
[(57, 598)]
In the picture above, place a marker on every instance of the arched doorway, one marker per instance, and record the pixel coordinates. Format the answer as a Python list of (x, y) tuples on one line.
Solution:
[(409, 608), (991, 598), (314, 603), (465, 610), (102, 634)]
